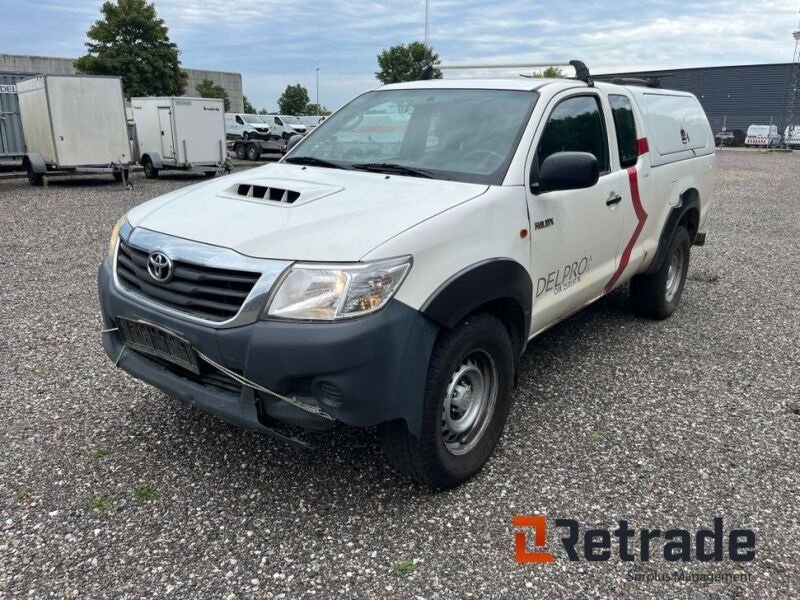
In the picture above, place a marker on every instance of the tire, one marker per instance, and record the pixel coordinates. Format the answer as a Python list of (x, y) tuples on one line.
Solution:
[(118, 175), (149, 170), (475, 355), (253, 153), (245, 136), (241, 151), (34, 178), (658, 294)]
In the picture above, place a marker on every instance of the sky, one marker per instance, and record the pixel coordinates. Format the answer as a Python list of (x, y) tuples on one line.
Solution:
[(275, 43)]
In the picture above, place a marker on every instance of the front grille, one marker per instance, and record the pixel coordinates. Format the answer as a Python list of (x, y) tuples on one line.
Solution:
[(214, 294)]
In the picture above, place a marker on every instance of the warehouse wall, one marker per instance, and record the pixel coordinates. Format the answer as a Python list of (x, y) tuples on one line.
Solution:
[(232, 82), (737, 96)]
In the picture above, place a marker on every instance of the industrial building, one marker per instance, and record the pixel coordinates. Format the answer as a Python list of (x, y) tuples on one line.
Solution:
[(51, 65), (733, 97)]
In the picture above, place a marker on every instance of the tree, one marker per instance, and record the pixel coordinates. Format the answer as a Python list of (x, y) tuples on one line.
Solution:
[(317, 110), (209, 89), (550, 73), (406, 62), (294, 100), (249, 109), (132, 42), (263, 111)]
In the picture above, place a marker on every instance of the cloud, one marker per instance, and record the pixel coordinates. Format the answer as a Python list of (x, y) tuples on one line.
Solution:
[(276, 42)]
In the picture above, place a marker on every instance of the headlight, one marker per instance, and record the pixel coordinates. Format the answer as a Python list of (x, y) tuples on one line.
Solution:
[(326, 292), (112, 243)]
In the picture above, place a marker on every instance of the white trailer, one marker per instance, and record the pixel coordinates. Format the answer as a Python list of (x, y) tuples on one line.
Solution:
[(73, 123), (181, 133)]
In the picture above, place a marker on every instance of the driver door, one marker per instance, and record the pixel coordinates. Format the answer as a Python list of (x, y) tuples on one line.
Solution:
[(575, 234)]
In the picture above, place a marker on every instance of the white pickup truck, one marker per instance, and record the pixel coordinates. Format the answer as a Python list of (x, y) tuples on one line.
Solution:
[(399, 288)]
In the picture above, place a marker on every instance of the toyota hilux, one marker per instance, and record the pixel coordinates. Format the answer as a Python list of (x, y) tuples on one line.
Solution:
[(398, 286)]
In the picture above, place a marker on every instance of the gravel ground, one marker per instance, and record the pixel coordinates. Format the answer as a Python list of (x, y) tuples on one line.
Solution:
[(110, 489)]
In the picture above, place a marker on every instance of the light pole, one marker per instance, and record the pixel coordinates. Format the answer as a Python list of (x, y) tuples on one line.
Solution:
[(427, 20), (318, 87)]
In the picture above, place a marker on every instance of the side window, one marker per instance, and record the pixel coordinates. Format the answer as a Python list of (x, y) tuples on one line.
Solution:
[(239, 120), (625, 126), (575, 125), (278, 121)]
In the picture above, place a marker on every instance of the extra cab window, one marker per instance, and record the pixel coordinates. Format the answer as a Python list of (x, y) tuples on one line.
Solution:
[(575, 125), (625, 126)]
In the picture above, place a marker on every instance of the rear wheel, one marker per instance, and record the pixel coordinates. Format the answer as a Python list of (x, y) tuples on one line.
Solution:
[(149, 170), (658, 294), (467, 399), (241, 152)]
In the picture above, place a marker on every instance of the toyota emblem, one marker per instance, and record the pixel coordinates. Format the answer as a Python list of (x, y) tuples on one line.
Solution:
[(160, 267)]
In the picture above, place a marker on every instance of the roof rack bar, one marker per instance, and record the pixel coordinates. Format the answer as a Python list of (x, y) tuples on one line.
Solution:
[(581, 70), (504, 66)]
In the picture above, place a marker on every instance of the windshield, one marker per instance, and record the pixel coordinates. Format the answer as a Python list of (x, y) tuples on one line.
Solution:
[(253, 119), (457, 134)]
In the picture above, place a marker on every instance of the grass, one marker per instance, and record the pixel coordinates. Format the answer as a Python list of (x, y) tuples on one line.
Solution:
[(595, 437), (145, 492), (99, 454), (101, 502), (404, 568), (21, 495)]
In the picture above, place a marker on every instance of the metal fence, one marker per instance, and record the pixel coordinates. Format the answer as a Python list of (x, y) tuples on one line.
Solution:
[(12, 143)]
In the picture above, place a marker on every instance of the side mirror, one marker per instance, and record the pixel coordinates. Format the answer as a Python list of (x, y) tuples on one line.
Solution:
[(566, 171), (292, 141)]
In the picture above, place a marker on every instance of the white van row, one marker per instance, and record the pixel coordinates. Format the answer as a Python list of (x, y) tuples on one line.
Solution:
[(266, 127), (768, 136)]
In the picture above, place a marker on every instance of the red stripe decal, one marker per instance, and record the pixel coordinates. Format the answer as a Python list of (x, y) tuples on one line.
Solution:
[(642, 147), (641, 217)]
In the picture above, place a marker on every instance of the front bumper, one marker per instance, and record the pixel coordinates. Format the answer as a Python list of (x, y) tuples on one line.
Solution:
[(362, 372)]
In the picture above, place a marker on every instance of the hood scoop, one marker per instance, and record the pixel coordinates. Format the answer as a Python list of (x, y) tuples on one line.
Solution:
[(284, 192), (273, 194)]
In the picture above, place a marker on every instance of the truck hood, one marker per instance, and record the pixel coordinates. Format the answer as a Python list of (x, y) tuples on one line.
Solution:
[(308, 213)]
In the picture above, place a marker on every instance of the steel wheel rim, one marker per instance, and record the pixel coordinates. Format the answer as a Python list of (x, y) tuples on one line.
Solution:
[(469, 402), (674, 273)]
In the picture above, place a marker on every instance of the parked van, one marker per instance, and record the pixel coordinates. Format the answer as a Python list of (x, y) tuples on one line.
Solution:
[(311, 121), (285, 126), (791, 136), (400, 288), (246, 126), (762, 135)]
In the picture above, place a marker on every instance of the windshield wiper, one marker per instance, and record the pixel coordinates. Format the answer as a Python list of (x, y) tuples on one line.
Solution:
[(393, 168), (313, 162)]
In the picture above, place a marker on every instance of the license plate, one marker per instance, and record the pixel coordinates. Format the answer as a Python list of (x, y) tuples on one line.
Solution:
[(153, 340)]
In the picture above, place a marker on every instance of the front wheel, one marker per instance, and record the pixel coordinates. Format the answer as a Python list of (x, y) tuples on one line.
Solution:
[(658, 294), (245, 136), (466, 403)]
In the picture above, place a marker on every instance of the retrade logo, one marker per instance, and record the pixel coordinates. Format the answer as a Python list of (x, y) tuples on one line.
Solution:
[(160, 267), (632, 544)]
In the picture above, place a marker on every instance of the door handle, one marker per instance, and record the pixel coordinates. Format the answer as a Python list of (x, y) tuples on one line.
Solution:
[(613, 199)]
